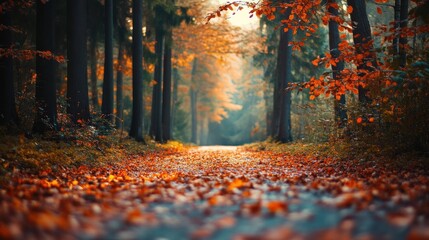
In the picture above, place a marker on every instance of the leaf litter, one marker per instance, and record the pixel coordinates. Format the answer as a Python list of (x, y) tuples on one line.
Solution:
[(218, 193)]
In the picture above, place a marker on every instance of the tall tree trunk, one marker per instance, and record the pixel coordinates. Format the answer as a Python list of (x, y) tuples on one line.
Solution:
[(156, 116), (166, 95), (136, 130), (268, 109), (77, 81), (94, 7), (107, 104), (119, 79), (403, 36), (46, 99), (276, 105), (193, 93), (362, 39), (174, 107), (8, 113), (397, 14), (284, 77), (93, 68), (334, 40)]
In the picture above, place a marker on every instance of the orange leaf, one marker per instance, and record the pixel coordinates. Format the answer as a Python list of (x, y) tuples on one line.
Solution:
[(379, 11), (359, 120), (315, 62), (312, 97), (349, 9), (277, 207)]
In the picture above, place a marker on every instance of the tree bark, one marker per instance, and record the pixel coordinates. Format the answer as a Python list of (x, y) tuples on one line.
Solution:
[(93, 69), (8, 113), (77, 81), (46, 99), (284, 77), (166, 95), (156, 116), (362, 39), (136, 130), (403, 37), (334, 40), (397, 14), (119, 79), (107, 104), (193, 95), (174, 107), (94, 7)]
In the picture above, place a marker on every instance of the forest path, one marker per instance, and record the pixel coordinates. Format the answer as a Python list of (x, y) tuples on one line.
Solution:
[(214, 192)]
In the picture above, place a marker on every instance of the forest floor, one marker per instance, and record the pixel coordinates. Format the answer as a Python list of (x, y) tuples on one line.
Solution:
[(211, 193)]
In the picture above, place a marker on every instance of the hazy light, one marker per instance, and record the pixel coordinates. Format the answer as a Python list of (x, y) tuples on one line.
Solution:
[(240, 18)]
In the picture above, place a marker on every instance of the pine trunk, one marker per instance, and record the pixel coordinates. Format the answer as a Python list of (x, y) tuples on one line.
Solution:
[(156, 116), (136, 130), (46, 101), (77, 81), (334, 40), (166, 95), (107, 104), (8, 113), (193, 96), (284, 77)]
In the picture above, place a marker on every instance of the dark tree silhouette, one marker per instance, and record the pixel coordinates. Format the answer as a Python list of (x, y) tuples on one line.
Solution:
[(8, 113), (107, 104), (403, 38), (136, 130), (166, 94), (77, 81), (284, 77), (156, 116), (334, 40), (361, 37), (46, 102)]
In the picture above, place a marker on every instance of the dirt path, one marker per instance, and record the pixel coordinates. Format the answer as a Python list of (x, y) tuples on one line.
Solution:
[(217, 193)]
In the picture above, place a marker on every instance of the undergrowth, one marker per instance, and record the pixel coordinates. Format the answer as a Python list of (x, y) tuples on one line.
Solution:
[(33, 153), (344, 151)]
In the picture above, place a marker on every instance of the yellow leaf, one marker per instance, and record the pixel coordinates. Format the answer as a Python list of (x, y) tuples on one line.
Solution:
[(111, 178)]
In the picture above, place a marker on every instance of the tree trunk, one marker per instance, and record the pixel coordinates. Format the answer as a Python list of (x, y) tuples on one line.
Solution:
[(156, 116), (166, 95), (193, 96), (397, 14), (94, 9), (403, 37), (284, 77), (46, 99), (119, 79), (107, 104), (136, 130), (8, 113), (268, 109), (334, 40), (93, 68), (361, 38), (77, 81), (276, 105), (176, 77)]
